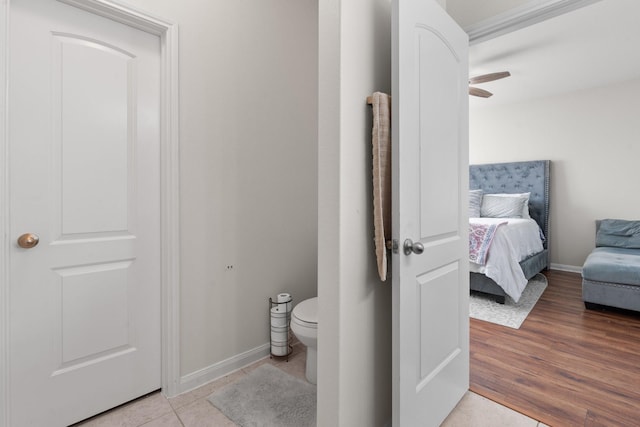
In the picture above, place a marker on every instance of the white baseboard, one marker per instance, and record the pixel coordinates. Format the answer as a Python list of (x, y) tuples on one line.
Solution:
[(196, 379), (569, 268)]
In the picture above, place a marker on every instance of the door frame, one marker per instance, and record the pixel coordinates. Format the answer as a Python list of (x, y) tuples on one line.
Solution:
[(169, 187)]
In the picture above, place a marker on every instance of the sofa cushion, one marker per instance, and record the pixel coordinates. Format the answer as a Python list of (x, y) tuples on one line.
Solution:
[(618, 233), (613, 265)]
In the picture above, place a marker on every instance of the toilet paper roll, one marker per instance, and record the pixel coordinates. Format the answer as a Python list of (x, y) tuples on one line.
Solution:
[(285, 298), (278, 336), (278, 317), (279, 349), (279, 330)]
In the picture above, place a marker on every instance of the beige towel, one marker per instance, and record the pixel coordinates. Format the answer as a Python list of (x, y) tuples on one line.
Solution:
[(381, 140)]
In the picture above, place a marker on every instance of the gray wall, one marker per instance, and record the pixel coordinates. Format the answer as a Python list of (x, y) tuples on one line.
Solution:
[(593, 140), (248, 159)]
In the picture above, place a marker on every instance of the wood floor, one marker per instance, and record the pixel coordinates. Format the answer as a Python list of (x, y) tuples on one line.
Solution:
[(565, 366)]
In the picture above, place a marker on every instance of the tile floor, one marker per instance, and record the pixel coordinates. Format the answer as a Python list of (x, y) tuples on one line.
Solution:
[(192, 409)]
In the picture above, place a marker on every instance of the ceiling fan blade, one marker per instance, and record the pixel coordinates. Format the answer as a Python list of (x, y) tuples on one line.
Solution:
[(489, 77), (479, 92)]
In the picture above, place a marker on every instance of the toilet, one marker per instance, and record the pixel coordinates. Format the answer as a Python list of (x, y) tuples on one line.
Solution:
[(304, 324)]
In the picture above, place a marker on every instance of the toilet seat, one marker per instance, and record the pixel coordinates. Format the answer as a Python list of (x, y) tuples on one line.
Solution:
[(306, 313)]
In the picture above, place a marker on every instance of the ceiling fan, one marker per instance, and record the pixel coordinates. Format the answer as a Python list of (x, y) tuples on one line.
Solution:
[(484, 79)]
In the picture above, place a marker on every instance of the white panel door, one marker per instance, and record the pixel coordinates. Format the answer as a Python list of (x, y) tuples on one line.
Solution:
[(85, 177), (430, 182)]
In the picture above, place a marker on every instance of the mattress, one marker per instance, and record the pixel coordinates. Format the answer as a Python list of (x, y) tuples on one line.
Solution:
[(512, 242)]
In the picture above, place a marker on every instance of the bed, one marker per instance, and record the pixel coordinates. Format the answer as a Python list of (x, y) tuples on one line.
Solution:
[(513, 178)]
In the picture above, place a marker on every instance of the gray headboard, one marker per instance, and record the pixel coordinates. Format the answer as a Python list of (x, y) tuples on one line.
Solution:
[(517, 177)]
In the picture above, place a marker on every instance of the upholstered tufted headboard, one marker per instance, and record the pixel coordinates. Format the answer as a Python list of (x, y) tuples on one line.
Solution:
[(517, 177)]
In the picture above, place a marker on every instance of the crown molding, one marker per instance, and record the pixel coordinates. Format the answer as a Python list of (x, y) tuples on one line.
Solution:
[(528, 14)]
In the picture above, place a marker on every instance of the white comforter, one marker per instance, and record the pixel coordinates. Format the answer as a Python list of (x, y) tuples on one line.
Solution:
[(512, 243)]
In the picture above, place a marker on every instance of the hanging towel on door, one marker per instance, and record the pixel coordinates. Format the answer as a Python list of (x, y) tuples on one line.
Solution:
[(381, 141)]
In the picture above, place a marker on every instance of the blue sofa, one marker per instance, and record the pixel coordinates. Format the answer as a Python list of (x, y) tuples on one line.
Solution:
[(611, 272)]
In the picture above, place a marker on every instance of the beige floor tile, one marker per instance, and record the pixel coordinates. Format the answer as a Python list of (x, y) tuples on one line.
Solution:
[(254, 365), (133, 414), (169, 420), (296, 365), (205, 390), (477, 411), (201, 413)]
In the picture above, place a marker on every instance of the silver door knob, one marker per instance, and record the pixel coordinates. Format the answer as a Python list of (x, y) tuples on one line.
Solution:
[(410, 247), (28, 240)]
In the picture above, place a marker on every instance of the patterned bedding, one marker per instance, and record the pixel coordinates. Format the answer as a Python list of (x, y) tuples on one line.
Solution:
[(480, 238), (513, 240)]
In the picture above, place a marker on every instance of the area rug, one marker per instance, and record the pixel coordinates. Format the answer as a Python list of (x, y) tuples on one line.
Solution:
[(510, 314), (268, 397)]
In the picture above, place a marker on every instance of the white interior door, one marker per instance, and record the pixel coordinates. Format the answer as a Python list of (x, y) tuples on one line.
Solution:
[(430, 182), (85, 177)]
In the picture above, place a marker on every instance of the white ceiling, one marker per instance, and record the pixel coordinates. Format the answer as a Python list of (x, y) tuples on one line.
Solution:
[(589, 47)]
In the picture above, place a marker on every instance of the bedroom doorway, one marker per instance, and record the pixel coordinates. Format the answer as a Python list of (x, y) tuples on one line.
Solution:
[(506, 133)]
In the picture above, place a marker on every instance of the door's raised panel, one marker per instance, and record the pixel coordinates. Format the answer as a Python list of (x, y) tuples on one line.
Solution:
[(438, 292), (438, 133), (443, 250), (94, 112), (91, 251), (94, 310)]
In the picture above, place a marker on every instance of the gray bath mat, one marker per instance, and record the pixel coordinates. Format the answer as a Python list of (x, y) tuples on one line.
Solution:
[(268, 397)]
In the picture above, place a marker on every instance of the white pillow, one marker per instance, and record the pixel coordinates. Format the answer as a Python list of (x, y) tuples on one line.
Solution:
[(502, 206), (475, 200), (525, 209)]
